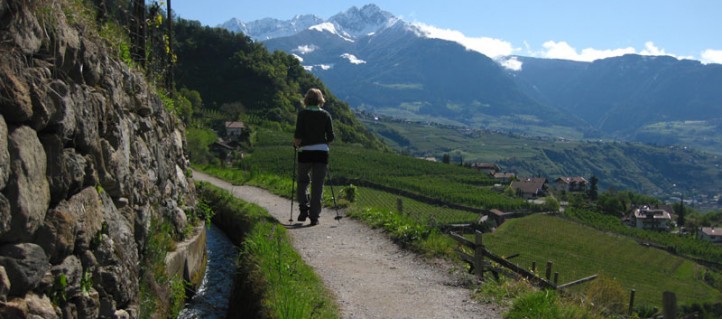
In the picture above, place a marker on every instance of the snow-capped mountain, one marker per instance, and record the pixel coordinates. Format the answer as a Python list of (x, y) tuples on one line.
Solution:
[(380, 63), (351, 24), (269, 28)]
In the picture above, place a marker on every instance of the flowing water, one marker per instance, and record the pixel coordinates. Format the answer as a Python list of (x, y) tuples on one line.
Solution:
[(211, 299)]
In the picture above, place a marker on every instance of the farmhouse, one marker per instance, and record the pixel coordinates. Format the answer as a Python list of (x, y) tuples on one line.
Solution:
[(571, 184), (711, 234), (530, 187), (488, 168), (504, 178), (646, 217), (500, 217), (234, 129)]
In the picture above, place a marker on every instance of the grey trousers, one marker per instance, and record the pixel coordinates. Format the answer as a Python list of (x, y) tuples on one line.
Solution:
[(315, 174)]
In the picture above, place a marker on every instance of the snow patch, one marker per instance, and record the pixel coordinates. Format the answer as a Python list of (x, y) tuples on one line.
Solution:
[(331, 28), (352, 58), (300, 59), (305, 49)]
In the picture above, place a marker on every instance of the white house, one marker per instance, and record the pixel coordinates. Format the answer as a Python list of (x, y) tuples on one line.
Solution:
[(652, 218), (712, 234)]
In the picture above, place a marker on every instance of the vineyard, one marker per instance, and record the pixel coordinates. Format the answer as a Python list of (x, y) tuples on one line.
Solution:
[(423, 193)]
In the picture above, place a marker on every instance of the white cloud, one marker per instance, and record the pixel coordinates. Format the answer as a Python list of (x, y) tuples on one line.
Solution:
[(490, 47), (511, 63), (711, 56), (562, 50), (352, 58), (305, 49)]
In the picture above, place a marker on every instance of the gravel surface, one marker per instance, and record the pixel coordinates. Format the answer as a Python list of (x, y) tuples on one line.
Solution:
[(369, 274)]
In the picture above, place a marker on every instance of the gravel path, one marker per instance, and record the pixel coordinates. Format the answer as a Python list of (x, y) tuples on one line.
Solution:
[(369, 274)]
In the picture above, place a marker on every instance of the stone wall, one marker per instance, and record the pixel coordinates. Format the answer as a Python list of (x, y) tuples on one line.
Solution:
[(88, 156)]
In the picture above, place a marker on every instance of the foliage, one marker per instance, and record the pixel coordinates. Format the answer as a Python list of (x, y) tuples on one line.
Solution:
[(287, 286), (582, 251), (232, 70), (157, 290), (684, 245), (199, 141), (547, 304), (606, 294)]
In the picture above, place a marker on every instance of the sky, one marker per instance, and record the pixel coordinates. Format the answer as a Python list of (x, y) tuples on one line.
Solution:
[(581, 30)]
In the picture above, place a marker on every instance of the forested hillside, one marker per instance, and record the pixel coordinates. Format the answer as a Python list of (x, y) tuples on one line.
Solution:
[(232, 72)]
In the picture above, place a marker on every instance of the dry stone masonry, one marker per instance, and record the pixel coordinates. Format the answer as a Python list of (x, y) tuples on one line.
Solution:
[(88, 156)]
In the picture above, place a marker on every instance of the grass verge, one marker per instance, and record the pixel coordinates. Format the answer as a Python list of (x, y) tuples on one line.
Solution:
[(272, 280)]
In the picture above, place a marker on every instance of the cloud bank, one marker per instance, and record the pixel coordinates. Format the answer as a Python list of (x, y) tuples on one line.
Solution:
[(501, 50)]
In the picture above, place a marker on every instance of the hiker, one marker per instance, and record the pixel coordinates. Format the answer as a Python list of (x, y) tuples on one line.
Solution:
[(314, 132)]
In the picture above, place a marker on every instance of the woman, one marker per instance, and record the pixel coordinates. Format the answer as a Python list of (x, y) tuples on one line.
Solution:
[(314, 131)]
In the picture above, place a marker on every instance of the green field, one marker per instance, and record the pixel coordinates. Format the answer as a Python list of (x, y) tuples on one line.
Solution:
[(578, 251), (663, 172)]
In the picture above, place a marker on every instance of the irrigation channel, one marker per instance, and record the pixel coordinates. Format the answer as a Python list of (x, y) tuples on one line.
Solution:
[(211, 299)]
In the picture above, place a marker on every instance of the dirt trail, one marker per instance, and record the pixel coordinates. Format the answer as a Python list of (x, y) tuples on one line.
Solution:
[(370, 275)]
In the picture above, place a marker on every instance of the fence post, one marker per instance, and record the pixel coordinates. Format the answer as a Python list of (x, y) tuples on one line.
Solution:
[(631, 301), (533, 266), (400, 205), (479, 256), (549, 269), (669, 301), (556, 278)]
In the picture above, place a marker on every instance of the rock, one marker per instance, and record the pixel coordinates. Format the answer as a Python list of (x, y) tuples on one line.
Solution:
[(40, 307), (64, 119), (25, 265), (4, 285), (66, 169), (121, 314), (26, 31), (43, 106), (15, 101), (86, 210), (57, 235), (72, 269), (87, 305), (4, 155), (5, 214), (28, 190), (14, 308), (92, 68)]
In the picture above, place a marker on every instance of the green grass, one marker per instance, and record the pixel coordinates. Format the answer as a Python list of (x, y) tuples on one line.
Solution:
[(268, 264), (578, 251)]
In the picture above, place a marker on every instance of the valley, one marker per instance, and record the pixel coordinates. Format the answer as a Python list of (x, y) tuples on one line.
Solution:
[(663, 172)]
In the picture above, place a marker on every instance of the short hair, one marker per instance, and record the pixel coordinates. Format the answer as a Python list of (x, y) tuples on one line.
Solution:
[(314, 97)]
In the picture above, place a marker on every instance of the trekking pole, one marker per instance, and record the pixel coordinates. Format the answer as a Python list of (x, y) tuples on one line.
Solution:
[(293, 184), (333, 196)]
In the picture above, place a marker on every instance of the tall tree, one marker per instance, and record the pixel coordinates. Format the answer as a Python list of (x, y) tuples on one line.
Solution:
[(681, 213), (138, 32), (593, 188)]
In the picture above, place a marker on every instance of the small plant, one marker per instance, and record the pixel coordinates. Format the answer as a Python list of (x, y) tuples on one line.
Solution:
[(86, 282), (57, 292)]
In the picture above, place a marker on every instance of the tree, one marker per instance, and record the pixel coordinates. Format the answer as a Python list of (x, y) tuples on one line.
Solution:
[(593, 188), (446, 159), (681, 213)]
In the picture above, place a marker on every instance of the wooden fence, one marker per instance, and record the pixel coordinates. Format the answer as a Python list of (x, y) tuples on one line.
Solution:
[(479, 265)]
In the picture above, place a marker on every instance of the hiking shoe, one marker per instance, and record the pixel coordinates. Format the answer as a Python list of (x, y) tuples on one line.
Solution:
[(302, 216), (314, 222)]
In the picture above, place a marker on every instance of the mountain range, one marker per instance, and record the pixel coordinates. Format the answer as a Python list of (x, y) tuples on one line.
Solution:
[(382, 64)]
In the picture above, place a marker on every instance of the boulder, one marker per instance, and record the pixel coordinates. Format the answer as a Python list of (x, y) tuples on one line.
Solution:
[(15, 101), (4, 285), (4, 154), (41, 307), (66, 168), (28, 190), (57, 234), (26, 31), (25, 265)]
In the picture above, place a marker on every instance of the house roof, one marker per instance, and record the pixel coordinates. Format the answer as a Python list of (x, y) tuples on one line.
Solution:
[(571, 179), (529, 185), (491, 166), (235, 124), (504, 175), (712, 231), (646, 212)]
